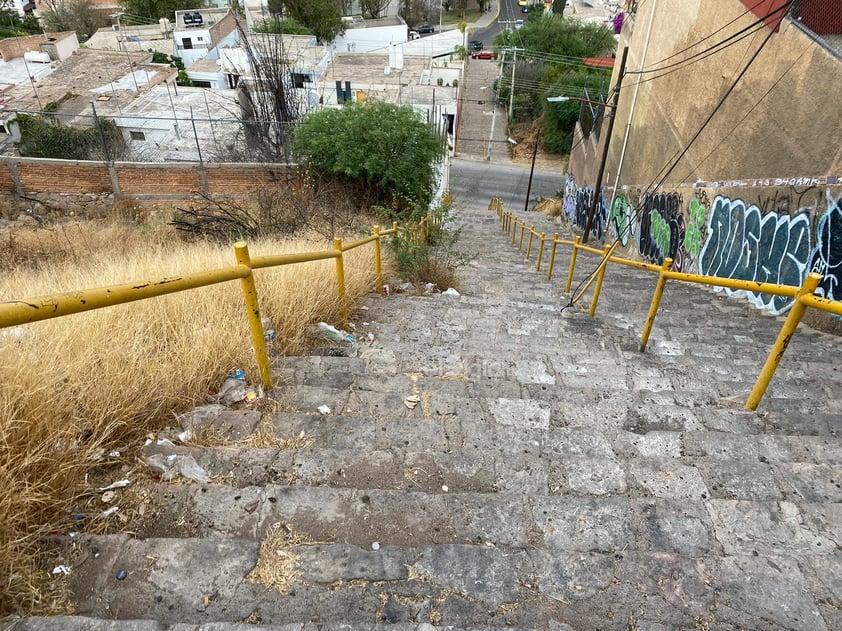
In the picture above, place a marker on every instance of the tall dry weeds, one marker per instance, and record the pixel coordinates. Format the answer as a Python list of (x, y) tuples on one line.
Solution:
[(78, 386)]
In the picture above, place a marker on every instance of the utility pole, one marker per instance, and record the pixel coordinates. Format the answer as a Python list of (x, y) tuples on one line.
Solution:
[(612, 109), (512, 90), (531, 172)]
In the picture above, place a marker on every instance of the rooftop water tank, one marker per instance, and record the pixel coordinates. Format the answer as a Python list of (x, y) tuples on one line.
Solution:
[(36, 57)]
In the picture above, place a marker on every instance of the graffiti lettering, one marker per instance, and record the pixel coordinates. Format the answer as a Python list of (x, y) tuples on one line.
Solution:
[(695, 225), (623, 220), (662, 229), (744, 245), (827, 255)]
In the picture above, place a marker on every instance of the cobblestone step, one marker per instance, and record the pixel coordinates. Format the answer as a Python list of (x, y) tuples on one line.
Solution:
[(451, 584)]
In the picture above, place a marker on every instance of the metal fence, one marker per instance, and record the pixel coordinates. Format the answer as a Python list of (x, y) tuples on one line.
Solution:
[(823, 20)]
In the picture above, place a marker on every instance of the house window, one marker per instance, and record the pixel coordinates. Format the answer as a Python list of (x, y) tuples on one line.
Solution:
[(186, 43), (137, 135), (299, 79), (201, 84)]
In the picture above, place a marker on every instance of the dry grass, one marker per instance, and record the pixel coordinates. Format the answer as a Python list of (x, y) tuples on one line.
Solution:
[(75, 386), (277, 565)]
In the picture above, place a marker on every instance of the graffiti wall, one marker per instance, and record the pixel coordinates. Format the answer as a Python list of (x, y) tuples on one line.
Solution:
[(773, 231)]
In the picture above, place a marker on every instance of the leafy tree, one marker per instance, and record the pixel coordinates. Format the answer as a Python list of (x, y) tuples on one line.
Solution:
[(43, 137), (373, 8), (322, 17), (556, 35), (12, 25), (416, 11), (460, 5), (279, 26), (387, 151), (157, 9), (74, 15)]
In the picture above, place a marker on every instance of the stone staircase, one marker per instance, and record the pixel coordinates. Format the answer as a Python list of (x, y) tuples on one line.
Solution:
[(544, 475)]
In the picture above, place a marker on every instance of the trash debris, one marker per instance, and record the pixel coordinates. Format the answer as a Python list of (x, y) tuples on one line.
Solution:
[(172, 465), (323, 409), (109, 512), (233, 389), (450, 292), (430, 288), (405, 287), (329, 332), (370, 338), (61, 569), (269, 335), (386, 290), (121, 575), (411, 401), (15, 335), (119, 484), (444, 488), (375, 546), (109, 496), (113, 454)]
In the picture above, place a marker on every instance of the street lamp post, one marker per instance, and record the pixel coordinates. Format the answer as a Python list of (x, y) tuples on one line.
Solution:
[(604, 158)]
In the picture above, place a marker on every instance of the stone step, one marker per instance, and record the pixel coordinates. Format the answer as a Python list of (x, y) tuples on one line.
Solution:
[(669, 510), (523, 449), (79, 623), (196, 580)]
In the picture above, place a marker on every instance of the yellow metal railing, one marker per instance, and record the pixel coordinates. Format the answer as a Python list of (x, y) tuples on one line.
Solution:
[(16, 312), (803, 296)]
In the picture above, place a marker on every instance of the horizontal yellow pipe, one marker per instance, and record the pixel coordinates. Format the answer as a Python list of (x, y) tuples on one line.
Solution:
[(733, 283), (563, 242), (273, 260), (588, 248), (638, 264), (355, 244), (824, 304), (15, 312)]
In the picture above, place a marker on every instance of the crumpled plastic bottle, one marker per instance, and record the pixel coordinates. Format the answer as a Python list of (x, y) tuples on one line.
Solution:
[(233, 389), (332, 333)]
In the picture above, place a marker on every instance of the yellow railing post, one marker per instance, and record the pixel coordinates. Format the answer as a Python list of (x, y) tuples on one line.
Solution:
[(600, 275), (552, 257), (378, 269), (656, 301), (241, 251), (540, 253), (522, 230), (784, 337), (340, 280), (529, 244), (572, 265), (515, 222)]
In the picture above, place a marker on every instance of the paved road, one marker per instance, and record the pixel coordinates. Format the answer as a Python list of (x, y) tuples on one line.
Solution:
[(474, 182)]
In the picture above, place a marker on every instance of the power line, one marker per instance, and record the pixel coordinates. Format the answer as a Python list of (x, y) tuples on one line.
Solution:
[(669, 168)]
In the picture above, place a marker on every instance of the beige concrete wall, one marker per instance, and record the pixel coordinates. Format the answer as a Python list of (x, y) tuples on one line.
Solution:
[(787, 132), (759, 195)]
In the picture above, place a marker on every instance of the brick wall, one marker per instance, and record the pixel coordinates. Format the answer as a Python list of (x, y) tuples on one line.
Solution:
[(159, 180), (7, 184), (245, 178), (142, 180), (63, 176)]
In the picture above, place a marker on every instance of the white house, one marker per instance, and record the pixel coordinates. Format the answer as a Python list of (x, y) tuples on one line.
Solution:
[(197, 33)]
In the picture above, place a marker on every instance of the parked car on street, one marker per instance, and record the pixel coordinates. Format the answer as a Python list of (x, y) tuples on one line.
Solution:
[(413, 35), (475, 44), (425, 28), (482, 54)]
